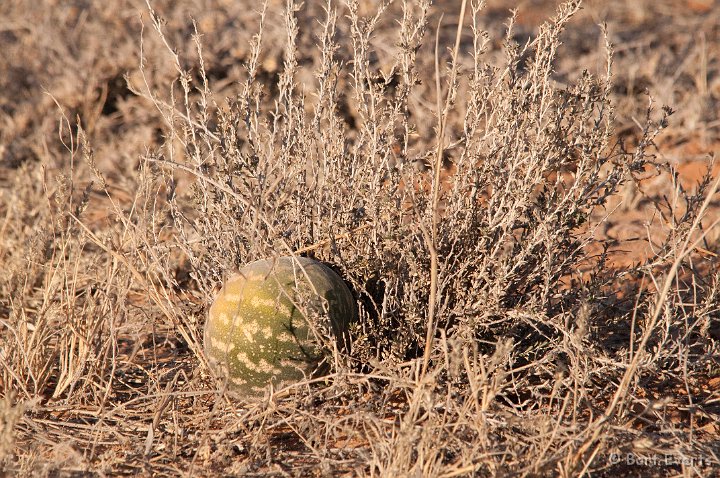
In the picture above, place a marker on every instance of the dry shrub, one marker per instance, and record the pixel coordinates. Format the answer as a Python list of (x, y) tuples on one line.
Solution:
[(494, 338)]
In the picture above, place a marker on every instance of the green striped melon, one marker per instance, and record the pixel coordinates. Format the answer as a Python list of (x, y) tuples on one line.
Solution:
[(256, 332)]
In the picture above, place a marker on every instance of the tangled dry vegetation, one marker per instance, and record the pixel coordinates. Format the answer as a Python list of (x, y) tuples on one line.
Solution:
[(474, 187)]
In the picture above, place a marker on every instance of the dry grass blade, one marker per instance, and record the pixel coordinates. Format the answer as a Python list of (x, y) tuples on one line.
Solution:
[(431, 239)]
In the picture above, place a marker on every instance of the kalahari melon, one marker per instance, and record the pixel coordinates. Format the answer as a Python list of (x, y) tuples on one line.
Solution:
[(257, 333)]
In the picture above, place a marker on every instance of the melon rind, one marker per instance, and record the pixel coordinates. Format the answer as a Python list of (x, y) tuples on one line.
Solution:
[(256, 332)]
